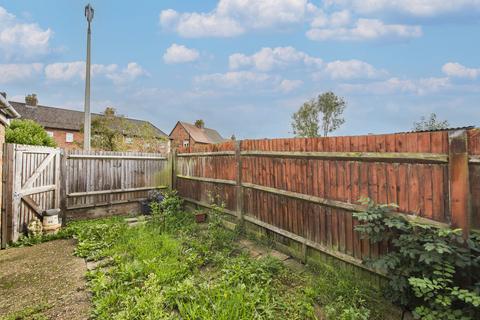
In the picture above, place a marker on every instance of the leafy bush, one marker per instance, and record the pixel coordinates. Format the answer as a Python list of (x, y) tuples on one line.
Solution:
[(433, 271), (28, 132)]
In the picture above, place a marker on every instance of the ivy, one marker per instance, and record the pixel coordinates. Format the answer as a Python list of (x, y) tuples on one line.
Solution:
[(434, 272)]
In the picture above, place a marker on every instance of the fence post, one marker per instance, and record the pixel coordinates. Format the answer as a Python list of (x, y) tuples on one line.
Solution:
[(63, 185), (174, 169), (6, 155), (459, 184), (238, 180)]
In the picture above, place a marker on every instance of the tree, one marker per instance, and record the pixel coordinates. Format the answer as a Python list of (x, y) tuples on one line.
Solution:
[(112, 131), (430, 124), (305, 121), (108, 131), (199, 123), (28, 132), (323, 113)]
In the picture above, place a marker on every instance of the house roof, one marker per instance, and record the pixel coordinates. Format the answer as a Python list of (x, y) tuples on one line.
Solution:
[(7, 109), (201, 135), (66, 119)]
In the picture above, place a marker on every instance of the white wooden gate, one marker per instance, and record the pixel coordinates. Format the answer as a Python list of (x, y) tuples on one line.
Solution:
[(32, 185)]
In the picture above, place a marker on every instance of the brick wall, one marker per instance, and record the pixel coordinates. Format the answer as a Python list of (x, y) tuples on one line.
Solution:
[(60, 138)]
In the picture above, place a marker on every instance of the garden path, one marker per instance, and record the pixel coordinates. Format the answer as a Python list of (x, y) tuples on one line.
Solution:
[(43, 280)]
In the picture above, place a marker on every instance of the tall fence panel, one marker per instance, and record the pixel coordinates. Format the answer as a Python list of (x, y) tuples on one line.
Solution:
[(307, 189), (98, 178), (474, 151)]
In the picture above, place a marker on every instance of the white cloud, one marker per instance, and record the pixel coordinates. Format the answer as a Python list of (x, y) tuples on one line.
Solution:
[(335, 19), (128, 74), (233, 79), (11, 73), (22, 40), (233, 17), (180, 54), (418, 8), (352, 69), (67, 71), (455, 69), (395, 85), (241, 80), (269, 58), (287, 85), (63, 71), (365, 29)]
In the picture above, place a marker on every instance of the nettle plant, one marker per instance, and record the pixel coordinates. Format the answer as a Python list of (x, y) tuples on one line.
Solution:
[(434, 272)]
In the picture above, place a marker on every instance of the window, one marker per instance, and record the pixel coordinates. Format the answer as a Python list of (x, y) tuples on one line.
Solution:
[(69, 137), (128, 140), (50, 133), (186, 143)]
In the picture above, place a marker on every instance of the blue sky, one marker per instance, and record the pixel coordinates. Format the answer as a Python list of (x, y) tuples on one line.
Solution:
[(244, 66)]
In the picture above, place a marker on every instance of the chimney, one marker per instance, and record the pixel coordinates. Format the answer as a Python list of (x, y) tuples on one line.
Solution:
[(31, 100)]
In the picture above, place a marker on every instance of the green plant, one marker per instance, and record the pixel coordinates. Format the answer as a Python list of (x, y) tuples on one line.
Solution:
[(28, 132), (168, 213), (433, 271), (431, 123), (342, 310)]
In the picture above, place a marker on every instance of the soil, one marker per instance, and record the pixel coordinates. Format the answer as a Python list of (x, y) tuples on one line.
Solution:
[(45, 281)]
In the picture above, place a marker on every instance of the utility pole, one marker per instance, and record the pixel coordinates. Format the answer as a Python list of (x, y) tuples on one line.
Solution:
[(87, 123)]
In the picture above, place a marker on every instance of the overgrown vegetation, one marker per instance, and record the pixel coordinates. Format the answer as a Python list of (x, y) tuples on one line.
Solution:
[(434, 272), (28, 132), (172, 268)]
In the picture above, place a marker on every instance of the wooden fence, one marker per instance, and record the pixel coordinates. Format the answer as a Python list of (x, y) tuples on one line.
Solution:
[(79, 182), (307, 189), (97, 178)]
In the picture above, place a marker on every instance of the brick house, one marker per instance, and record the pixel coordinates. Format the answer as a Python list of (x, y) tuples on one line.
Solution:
[(64, 125), (188, 135)]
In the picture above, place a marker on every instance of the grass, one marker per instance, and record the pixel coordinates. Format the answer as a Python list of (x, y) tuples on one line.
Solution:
[(185, 273), (172, 268)]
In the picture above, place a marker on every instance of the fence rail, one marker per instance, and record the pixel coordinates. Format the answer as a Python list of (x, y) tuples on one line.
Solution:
[(307, 189)]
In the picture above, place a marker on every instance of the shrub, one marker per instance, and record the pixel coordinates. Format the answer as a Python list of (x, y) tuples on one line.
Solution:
[(433, 271), (28, 132)]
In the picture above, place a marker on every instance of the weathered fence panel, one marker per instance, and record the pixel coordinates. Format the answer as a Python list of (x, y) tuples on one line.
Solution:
[(307, 189), (31, 185), (99, 178)]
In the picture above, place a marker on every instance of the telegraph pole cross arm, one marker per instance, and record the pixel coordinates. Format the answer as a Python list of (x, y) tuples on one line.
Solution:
[(87, 123)]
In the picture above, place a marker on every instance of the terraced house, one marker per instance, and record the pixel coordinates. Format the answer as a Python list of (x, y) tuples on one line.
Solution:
[(65, 126)]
